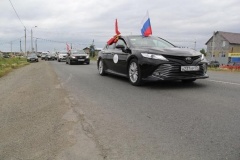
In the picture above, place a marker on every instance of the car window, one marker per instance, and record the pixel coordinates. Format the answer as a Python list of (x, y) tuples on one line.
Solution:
[(121, 42), (78, 52), (112, 46), (149, 42)]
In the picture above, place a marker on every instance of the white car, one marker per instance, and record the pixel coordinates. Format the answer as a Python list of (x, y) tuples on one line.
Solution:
[(62, 56)]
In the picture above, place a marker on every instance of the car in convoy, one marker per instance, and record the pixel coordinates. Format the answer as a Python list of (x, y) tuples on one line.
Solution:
[(6, 55), (214, 64), (50, 57), (77, 56), (62, 56), (43, 55), (151, 58), (32, 57)]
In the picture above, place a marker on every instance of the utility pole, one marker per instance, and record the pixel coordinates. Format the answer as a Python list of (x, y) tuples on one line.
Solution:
[(25, 40), (213, 44), (32, 39), (11, 46), (195, 45), (36, 45), (20, 46)]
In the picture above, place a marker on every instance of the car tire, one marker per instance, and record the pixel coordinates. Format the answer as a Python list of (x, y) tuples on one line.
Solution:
[(188, 80), (66, 62), (134, 73), (101, 68)]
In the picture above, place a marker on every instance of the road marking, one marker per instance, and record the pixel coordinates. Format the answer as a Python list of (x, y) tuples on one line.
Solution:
[(238, 84)]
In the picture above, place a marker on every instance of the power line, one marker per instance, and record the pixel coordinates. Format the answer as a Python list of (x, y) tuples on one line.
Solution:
[(17, 14)]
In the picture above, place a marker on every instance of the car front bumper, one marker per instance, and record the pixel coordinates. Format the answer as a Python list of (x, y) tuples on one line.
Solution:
[(80, 60), (171, 70)]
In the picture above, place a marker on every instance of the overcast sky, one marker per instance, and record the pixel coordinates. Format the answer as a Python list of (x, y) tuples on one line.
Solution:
[(58, 22)]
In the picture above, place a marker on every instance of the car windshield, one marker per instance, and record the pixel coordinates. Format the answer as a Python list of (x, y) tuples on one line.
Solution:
[(78, 52), (62, 52), (32, 55), (149, 42)]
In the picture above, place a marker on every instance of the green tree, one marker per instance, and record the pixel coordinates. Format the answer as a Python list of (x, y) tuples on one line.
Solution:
[(203, 51)]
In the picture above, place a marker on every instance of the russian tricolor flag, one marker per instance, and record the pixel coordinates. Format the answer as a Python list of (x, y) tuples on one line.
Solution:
[(146, 26)]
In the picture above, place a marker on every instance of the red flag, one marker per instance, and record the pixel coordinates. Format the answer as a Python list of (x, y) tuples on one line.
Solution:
[(110, 41), (116, 28), (68, 48), (114, 39)]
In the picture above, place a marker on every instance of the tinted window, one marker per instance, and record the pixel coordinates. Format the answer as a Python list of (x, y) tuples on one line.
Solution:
[(78, 52), (121, 42), (110, 46), (149, 42)]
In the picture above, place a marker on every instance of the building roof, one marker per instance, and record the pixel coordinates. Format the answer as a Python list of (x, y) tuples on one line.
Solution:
[(232, 38)]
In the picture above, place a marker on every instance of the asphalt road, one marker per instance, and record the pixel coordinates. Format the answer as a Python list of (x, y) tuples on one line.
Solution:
[(163, 120)]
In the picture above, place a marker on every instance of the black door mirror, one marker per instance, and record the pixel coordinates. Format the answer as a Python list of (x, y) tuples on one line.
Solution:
[(119, 46)]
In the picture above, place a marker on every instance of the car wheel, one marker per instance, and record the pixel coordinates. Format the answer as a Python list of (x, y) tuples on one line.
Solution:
[(66, 62), (101, 68), (188, 80), (134, 73)]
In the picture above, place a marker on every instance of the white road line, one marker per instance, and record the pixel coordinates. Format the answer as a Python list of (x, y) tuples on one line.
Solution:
[(238, 84)]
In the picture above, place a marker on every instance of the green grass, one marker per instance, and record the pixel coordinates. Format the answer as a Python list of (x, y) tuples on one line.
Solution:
[(93, 59), (8, 64)]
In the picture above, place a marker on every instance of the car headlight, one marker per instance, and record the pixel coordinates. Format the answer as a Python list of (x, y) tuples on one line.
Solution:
[(87, 56), (73, 57), (153, 56), (203, 57)]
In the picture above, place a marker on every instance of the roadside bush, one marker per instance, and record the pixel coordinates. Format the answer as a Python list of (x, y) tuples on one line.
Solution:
[(7, 64)]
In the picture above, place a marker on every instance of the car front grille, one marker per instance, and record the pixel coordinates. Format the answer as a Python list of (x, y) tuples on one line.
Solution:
[(182, 58), (80, 57), (172, 71)]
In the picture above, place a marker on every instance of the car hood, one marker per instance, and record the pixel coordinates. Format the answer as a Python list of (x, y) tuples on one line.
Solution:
[(170, 51)]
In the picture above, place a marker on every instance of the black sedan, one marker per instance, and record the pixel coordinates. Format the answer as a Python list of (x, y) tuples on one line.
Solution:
[(50, 57), (151, 58), (32, 58), (77, 56)]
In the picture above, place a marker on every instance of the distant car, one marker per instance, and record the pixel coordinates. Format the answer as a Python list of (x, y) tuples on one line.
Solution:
[(32, 57), (150, 58), (6, 56), (62, 56), (49, 57), (43, 55), (213, 64), (55, 55), (77, 56)]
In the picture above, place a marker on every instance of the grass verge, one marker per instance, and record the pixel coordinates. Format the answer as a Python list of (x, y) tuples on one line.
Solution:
[(8, 64)]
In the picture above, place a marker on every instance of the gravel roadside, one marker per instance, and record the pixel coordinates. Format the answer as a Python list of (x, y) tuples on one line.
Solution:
[(36, 118)]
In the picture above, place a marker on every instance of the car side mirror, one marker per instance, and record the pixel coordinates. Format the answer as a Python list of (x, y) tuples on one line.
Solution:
[(119, 46)]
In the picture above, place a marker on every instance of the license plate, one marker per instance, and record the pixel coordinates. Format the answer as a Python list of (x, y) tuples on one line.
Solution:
[(80, 59), (189, 68)]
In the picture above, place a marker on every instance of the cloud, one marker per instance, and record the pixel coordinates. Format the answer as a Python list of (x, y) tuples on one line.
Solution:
[(182, 22)]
